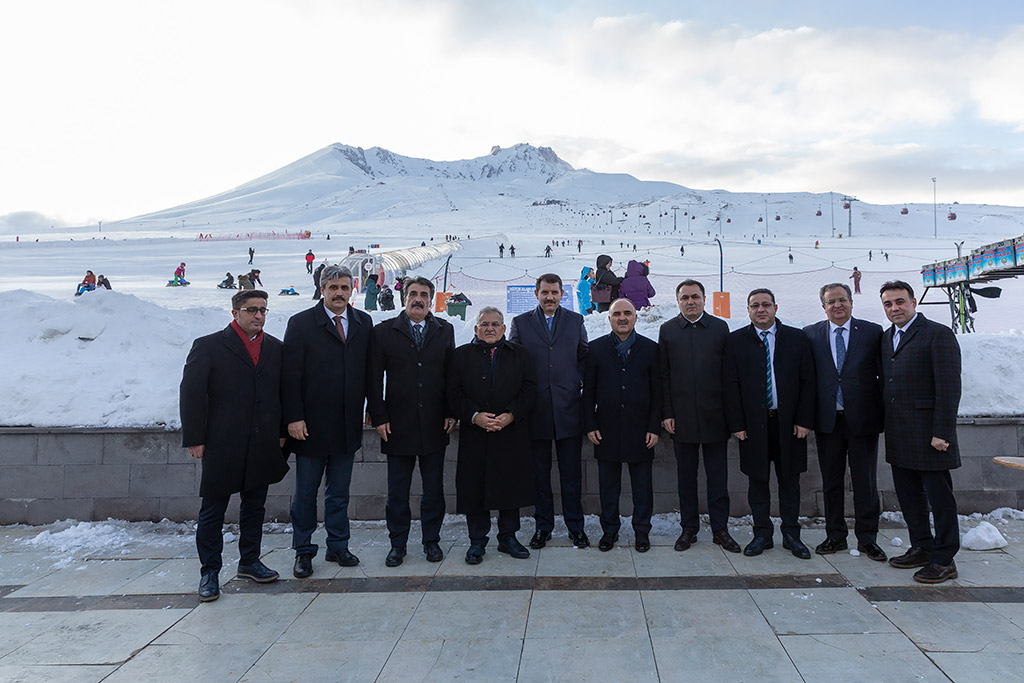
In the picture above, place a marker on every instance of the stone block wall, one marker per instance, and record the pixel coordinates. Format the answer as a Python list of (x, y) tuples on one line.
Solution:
[(144, 474)]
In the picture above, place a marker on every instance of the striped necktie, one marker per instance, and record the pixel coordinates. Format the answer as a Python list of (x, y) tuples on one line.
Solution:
[(768, 365), (840, 359)]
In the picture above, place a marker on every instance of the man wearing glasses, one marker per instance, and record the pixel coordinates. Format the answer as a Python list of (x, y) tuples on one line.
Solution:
[(848, 417), (230, 402), (769, 405)]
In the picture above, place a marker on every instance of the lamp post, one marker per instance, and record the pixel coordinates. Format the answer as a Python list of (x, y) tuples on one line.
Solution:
[(935, 209)]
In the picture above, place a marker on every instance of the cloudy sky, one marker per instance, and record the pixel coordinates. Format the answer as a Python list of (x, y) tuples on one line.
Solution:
[(116, 108)]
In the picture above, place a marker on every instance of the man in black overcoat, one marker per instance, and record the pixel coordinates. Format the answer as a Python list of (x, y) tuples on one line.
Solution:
[(848, 417), (491, 389), (692, 349), (230, 403), (921, 391), (769, 402), (557, 342), (622, 416), (324, 383), (410, 413)]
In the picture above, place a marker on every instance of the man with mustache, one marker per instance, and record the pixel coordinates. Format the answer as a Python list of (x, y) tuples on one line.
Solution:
[(410, 413), (769, 405), (324, 389), (557, 342)]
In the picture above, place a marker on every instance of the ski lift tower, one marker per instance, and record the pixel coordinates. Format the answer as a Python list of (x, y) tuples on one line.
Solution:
[(848, 205)]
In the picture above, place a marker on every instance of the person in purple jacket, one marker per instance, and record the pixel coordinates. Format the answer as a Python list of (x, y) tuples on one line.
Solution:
[(635, 286)]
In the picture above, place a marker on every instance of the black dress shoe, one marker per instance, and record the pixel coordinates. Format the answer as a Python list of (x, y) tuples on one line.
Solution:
[(936, 573), (579, 539), (433, 552), (395, 557), (915, 557), (796, 546), (758, 545), (540, 539), (209, 587), (722, 538), (686, 539), (872, 551), (475, 554), (258, 572), (512, 546), (303, 566), (831, 545), (643, 542), (342, 557), (607, 542)]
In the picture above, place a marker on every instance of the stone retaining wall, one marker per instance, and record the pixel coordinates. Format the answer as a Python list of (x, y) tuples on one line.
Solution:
[(144, 474)]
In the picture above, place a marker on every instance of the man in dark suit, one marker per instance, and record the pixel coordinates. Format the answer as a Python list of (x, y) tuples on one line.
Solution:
[(324, 382), (769, 398), (230, 402), (848, 418), (621, 413), (410, 413), (557, 341), (921, 391), (491, 389), (692, 348)]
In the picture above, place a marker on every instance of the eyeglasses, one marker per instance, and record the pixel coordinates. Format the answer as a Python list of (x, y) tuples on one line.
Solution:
[(763, 304), (833, 302), (489, 324), (253, 310)]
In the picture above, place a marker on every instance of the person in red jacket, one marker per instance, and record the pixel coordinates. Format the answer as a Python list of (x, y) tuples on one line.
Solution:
[(309, 261), (87, 284)]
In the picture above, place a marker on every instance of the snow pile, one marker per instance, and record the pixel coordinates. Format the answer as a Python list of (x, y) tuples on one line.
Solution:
[(71, 540), (983, 537)]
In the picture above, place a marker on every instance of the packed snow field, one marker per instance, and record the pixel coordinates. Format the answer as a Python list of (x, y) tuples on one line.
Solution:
[(114, 358)]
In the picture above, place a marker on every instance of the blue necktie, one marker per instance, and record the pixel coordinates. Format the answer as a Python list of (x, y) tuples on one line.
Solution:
[(418, 336), (768, 357), (896, 339), (840, 359)]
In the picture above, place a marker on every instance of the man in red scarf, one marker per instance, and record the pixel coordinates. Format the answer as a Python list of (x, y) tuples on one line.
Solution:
[(231, 420)]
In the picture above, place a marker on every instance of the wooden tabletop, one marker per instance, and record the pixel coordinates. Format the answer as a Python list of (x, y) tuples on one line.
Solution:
[(1010, 461)]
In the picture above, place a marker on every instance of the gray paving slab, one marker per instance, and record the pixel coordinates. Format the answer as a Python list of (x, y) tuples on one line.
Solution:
[(955, 627), (864, 657), (353, 617), (87, 577), (340, 662), (103, 637), (860, 571), (693, 613), (625, 658), (494, 660), (246, 619), (702, 559), (482, 614), (18, 628), (494, 564), (565, 615), (822, 610), (19, 568), (193, 663), (586, 562), (980, 667), (723, 658), (54, 673), (992, 568), (169, 577)]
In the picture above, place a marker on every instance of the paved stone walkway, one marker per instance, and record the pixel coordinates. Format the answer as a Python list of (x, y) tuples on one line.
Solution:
[(130, 613)]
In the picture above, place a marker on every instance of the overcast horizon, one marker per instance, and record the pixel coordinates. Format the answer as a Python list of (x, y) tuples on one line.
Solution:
[(120, 108)]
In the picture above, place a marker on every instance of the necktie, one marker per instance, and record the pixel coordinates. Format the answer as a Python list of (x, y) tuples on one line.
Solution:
[(341, 328), (493, 349), (551, 322), (896, 339), (840, 359), (768, 357), (418, 336)]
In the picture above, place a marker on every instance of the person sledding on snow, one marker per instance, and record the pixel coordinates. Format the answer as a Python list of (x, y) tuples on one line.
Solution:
[(102, 281), (179, 277), (290, 291), (245, 282), (87, 284), (228, 283), (254, 277)]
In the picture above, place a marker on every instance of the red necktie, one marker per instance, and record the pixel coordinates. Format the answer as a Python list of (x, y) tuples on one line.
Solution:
[(341, 328)]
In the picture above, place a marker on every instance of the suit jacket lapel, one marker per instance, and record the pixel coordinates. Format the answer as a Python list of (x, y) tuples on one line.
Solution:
[(236, 346), (541, 324), (402, 324), (909, 333), (854, 341)]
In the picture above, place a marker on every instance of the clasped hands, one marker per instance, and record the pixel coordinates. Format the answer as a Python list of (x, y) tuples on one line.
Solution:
[(491, 422)]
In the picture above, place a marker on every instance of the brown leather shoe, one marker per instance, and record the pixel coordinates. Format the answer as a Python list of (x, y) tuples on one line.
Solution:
[(686, 539), (936, 573), (915, 557), (722, 538)]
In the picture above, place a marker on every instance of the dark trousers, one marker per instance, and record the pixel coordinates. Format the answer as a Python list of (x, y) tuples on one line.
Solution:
[(479, 524), (309, 471), (609, 478), (760, 498), (919, 490), (834, 450), (209, 530), (716, 470), (309, 267), (397, 512), (570, 477)]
